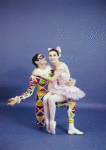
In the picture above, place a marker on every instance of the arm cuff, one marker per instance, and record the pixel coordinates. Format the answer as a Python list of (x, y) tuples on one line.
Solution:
[(19, 100)]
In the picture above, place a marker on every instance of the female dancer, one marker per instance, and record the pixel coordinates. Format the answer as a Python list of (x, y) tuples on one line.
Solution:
[(58, 91)]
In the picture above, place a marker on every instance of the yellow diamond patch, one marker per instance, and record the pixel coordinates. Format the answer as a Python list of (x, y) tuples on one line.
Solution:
[(40, 118), (72, 105), (39, 102)]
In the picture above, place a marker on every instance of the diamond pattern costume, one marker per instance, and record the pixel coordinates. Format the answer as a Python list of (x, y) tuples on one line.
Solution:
[(42, 89)]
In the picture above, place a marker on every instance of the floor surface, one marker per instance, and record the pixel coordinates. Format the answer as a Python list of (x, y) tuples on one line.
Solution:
[(19, 129)]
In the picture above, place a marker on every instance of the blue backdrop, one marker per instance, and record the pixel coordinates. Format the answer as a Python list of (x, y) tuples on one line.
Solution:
[(30, 27)]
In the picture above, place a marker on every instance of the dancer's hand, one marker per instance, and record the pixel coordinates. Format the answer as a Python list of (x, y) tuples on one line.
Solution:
[(13, 101), (70, 82)]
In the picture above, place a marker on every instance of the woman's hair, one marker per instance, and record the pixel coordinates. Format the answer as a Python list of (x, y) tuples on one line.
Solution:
[(54, 51), (35, 59)]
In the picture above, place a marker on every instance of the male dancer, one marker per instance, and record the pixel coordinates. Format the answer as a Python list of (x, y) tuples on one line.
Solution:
[(42, 88)]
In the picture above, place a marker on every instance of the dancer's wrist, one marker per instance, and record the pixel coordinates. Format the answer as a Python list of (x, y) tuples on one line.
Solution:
[(18, 99)]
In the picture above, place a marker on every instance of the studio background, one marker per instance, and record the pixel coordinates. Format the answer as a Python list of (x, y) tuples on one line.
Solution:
[(30, 27)]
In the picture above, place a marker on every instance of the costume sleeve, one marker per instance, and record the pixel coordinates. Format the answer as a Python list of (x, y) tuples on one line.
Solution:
[(30, 90), (64, 66)]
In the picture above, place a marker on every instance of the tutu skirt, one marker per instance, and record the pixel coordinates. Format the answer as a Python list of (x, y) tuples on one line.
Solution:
[(69, 92)]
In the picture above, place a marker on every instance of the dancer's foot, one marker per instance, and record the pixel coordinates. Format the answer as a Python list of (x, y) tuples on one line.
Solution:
[(52, 127), (75, 131)]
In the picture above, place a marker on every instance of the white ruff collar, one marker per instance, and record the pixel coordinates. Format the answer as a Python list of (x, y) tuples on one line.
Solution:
[(46, 71)]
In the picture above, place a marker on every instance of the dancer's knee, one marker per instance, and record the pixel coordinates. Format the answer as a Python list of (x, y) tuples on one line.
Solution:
[(50, 101)]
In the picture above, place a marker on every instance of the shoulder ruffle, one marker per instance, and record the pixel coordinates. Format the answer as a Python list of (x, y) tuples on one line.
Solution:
[(64, 66)]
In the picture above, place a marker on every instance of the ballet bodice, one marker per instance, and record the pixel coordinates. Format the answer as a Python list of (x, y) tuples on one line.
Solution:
[(62, 79)]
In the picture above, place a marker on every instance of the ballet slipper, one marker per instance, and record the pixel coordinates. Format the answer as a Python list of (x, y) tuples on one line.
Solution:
[(72, 130), (52, 127)]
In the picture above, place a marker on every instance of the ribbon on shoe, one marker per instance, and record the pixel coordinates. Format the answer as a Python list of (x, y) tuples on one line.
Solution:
[(58, 49)]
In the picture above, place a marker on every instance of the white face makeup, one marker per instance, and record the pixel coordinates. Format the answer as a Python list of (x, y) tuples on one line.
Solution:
[(53, 57)]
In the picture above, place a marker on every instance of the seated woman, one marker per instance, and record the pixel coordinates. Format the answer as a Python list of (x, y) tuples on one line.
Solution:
[(58, 91)]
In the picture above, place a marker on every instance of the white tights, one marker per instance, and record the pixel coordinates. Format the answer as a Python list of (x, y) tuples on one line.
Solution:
[(49, 101)]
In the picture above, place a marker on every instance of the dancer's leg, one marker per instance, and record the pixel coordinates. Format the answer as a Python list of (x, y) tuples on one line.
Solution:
[(52, 100), (39, 111), (52, 108), (71, 115), (46, 110)]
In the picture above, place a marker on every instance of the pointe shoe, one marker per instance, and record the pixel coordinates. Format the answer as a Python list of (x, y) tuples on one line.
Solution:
[(52, 127), (75, 131)]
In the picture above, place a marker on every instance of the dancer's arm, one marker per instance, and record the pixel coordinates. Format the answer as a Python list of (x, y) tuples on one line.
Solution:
[(57, 74), (25, 95)]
